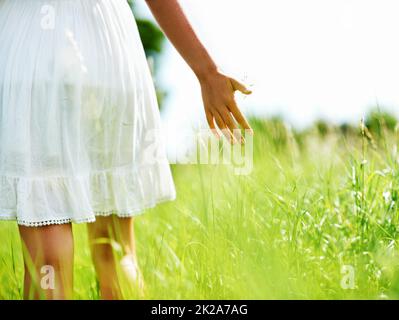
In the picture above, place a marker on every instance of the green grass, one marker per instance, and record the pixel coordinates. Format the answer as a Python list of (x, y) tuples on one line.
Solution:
[(314, 203)]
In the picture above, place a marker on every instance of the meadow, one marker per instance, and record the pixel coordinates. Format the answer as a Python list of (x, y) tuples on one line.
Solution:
[(316, 219)]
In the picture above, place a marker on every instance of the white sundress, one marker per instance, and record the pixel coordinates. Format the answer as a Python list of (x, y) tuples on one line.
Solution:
[(79, 121)]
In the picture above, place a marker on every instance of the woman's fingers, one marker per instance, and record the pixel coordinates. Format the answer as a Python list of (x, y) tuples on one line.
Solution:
[(224, 128), (242, 121), (232, 125), (235, 110), (239, 86), (211, 123)]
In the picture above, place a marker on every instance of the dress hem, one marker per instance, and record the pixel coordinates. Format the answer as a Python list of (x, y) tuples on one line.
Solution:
[(89, 219)]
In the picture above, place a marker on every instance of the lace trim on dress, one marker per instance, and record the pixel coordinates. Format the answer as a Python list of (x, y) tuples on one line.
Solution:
[(124, 193), (85, 220)]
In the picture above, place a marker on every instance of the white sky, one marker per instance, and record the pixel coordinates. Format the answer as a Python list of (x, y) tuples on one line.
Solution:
[(306, 59)]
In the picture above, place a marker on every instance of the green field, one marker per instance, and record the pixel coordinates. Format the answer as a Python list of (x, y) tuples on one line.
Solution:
[(317, 204)]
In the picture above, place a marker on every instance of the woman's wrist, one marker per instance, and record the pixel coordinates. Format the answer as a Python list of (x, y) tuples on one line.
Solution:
[(204, 73)]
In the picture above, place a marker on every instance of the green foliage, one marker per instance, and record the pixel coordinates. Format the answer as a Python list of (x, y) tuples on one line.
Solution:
[(151, 36), (322, 127), (376, 121), (153, 40)]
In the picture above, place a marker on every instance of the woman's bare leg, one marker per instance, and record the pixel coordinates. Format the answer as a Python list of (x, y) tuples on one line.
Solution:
[(48, 260), (107, 262)]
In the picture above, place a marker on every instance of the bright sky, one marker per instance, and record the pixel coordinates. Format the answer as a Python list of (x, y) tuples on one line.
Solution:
[(306, 59)]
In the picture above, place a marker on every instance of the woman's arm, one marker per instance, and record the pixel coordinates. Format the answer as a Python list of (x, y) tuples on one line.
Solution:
[(217, 88)]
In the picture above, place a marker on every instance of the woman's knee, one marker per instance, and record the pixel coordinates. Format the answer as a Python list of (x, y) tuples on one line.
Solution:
[(100, 240), (50, 245), (114, 231)]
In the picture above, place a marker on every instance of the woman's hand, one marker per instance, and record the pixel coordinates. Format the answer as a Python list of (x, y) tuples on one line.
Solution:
[(221, 107)]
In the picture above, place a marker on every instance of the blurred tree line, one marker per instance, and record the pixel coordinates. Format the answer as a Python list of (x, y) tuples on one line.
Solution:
[(376, 126), (151, 36)]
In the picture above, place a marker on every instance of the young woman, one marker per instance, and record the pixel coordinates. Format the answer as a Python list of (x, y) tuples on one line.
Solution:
[(77, 108)]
